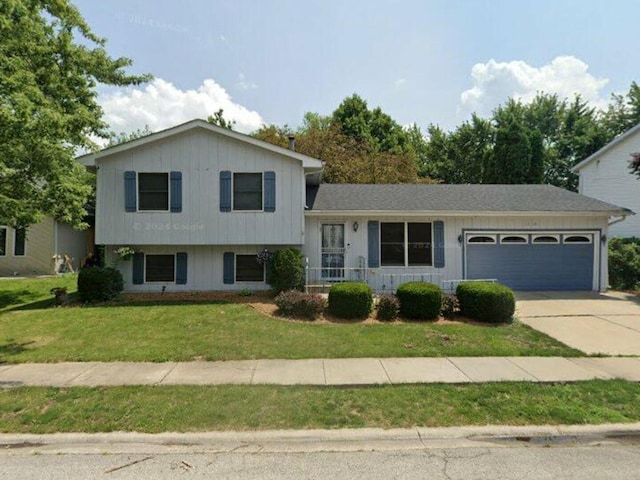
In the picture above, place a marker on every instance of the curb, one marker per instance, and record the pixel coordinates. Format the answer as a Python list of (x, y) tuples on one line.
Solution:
[(298, 441)]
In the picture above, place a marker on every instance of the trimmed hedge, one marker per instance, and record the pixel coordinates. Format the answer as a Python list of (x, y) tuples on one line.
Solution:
[(286, 270), (350, 300), (293, 303), (419, 300), (388, 308), (99, 284), (624, 263), (486, 302)]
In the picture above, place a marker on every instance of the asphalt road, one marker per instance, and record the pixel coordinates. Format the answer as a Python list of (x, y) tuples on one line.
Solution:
[(508, 459)]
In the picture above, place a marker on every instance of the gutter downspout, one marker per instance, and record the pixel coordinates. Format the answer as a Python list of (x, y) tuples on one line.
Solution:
[(617, 220)]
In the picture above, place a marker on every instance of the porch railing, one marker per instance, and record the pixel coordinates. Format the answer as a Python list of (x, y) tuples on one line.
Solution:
[(318, 278)]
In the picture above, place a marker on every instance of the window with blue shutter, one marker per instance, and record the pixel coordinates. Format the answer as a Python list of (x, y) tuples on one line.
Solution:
[(269, 191), (228, 267), (373, 241), (176, 191), (438, 244), (138, 268), (181, 268), (130, 191), (225, 191)]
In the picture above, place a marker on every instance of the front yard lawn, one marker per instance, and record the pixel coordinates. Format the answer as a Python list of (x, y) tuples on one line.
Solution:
[(33, 331), (187, 408), (227, 331)]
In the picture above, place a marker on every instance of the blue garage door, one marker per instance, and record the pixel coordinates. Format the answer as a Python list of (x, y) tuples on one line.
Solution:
[(537, 261)]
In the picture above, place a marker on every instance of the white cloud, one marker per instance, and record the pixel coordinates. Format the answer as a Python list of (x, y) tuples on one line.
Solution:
[(244, 84), (399, 82), (160, 105), (494, 82)]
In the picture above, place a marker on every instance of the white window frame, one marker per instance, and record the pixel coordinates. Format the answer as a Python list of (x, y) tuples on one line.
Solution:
[(15, 236), (406, 247), (588, 236), (233, 194), (160, 282), (517, 235), (6, 239), (138, 193), (492, 236), (235, 268), (541, 235)]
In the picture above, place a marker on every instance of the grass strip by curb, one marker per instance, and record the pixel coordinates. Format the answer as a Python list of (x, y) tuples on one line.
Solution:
[(187, 408)]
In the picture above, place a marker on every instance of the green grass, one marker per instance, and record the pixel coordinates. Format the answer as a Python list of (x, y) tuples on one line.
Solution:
[(33, 292), (225, 331), (157, 409), (235, 331)]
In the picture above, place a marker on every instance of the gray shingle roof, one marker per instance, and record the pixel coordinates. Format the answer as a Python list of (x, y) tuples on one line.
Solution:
[(440, 197)]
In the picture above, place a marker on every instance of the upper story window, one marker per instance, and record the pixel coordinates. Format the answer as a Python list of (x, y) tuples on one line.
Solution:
[(153, 191), (247, 191), (3, 241), (405, 244), (19, 241)]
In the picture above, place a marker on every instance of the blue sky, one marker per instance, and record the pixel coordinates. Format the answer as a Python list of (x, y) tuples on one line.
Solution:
[(421, 61)]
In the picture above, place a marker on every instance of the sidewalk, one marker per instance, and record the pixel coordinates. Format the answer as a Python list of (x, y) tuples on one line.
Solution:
[(323, 372)]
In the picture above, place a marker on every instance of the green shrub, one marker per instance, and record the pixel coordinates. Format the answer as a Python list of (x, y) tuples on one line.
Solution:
[(350, 300), (450, 306), (293, 303), (388, 307), (99, 284), (486, 302), (286, 270), (624, 263), (419, 300)]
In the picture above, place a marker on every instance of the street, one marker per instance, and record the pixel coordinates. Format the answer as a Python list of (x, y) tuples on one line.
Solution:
[(591, 455)]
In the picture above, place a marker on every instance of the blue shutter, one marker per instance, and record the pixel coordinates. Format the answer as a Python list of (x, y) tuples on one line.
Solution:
[(269, 191), (228, 267), (438, 244), (373, 233), (130, 191), (138, 268), (176, 191), (181, 268), (225, 191)]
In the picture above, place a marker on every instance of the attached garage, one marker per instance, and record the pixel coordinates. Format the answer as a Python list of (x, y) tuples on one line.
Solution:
[(535, 260)]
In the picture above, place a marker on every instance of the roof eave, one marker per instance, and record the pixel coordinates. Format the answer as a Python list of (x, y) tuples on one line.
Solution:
[(607, 147), (466, 213), (92, 158)]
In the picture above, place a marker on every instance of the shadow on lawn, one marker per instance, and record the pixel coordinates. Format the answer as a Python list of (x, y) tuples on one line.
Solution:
[(15, 297), (11, 348)]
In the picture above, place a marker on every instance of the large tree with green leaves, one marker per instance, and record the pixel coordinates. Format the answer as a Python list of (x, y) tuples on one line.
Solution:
[(623, 112), (50, 65)]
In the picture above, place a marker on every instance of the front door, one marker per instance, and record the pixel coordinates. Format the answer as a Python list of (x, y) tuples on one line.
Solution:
[(333, 251)]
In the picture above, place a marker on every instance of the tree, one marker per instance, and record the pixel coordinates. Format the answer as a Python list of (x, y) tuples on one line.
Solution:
[(50, 64), (634, 164), (124, 137), (218, 119), (511, 158), (623, 112)]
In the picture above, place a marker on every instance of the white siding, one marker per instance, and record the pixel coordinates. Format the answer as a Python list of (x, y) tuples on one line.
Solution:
[(204, 268), (72, 243), (200, 155), (357, 245), (608, 178)]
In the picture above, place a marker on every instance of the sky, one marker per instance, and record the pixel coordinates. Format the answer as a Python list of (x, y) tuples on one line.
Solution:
[(421, 61)]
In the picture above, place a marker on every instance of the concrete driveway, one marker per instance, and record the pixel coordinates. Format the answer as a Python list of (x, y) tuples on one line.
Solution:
[(594, 323)]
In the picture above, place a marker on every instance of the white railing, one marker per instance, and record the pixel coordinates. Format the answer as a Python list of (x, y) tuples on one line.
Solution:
[(449, 286), (389, 282), (321, 278)]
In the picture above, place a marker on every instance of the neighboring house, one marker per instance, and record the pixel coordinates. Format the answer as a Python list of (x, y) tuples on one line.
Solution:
[(31, 252), (198, 203), (606, 175)]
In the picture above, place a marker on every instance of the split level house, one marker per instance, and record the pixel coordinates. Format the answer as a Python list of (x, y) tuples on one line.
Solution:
[(605, 175), (199, 203)]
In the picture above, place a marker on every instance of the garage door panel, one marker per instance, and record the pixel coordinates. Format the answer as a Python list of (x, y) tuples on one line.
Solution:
[(533, 266)]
